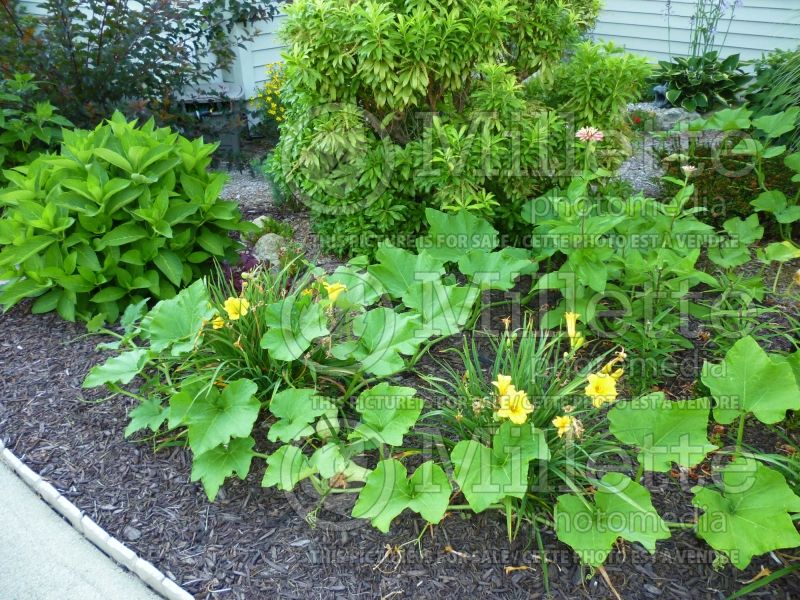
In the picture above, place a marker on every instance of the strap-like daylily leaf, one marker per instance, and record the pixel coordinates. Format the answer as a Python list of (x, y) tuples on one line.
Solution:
[(212, 467), (388, 492), (749, 381), (444, 308), (487, 475), (286, 467), (213, 418), (621, 508), (294, 323), (750, 515), (383, 335), (387, 412), (296, 409), (177, 323), (494, 270), (451, 236), (399, 269), (664, 431)]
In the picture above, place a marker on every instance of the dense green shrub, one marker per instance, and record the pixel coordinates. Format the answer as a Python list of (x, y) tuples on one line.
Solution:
[(27, 127), (121, 213), (392, 108), (98, 53), (596, 84)]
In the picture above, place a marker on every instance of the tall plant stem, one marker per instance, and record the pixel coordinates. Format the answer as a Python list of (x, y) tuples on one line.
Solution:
[(739, 437)]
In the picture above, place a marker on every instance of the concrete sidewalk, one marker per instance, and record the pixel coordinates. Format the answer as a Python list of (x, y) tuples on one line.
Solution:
[(43, 558)]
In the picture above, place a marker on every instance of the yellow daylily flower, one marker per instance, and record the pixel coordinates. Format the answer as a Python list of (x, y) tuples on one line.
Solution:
[(218, 322), (601, 388), (334, 290), (563, 424), (236, 308), (576, 340), (515, 407), (503, 385)]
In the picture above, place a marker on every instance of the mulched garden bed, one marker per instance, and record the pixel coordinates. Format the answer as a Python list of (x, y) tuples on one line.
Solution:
[(255, 543)]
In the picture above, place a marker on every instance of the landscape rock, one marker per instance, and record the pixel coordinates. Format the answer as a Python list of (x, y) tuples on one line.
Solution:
[(667, 118), (268, 248)]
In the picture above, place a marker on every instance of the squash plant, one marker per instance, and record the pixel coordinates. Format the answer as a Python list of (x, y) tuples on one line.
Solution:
[(121, 213), (306, 348)]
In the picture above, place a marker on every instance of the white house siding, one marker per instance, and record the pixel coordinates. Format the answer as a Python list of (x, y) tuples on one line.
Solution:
[(642, 26), (249, 70)]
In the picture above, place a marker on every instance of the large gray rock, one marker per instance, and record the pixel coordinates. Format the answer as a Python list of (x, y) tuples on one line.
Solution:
[(668, 118), (268, 248)]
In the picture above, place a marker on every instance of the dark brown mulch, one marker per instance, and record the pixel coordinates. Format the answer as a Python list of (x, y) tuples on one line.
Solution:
[(254, 543)]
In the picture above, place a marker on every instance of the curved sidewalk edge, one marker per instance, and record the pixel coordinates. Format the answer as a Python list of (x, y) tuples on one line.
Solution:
[(109, 545)]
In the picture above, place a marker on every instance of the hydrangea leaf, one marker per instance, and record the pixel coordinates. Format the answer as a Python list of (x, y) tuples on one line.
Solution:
[(178, 323), (213, 466), (487, 475), (286, 467), (621, 508), (149, 414), (117, 369), (388, 492), (444, 308), (399, 269), (750, 515), (451, 236), (294, 323), (493, 270), (665, 432), (296, 409), (383, 335), (749, 381), (214, 418), (387, 413)]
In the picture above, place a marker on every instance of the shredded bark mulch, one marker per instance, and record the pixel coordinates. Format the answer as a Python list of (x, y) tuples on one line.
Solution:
[(254, 543)]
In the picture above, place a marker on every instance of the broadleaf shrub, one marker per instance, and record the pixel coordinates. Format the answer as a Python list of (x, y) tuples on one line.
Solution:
[(27, 127), (121, 213), (100, 54), (395, 108)]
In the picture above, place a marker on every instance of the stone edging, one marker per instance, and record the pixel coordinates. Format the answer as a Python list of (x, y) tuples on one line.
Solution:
[(111, 546)]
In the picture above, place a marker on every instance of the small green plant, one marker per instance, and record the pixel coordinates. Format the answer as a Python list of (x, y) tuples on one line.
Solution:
[(29, 127), (597, 83), (121, 213), (704, 82), (777, 87), (267, 103)]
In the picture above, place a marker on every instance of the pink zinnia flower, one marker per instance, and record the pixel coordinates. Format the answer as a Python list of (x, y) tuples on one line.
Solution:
[(590, 134)]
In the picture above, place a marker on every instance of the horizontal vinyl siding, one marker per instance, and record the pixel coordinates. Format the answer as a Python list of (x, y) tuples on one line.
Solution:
[(643, 26)]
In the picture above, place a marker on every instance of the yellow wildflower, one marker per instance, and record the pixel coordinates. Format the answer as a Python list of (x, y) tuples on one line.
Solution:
[(515, 407), (576, 340), (334, 290), (601, 388), (218, 322), (503, 385), (563, 424), (608, 369), (236, 308), (307, 292)]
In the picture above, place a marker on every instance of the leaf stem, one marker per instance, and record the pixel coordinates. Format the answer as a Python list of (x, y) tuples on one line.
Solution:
[(739, 437)]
